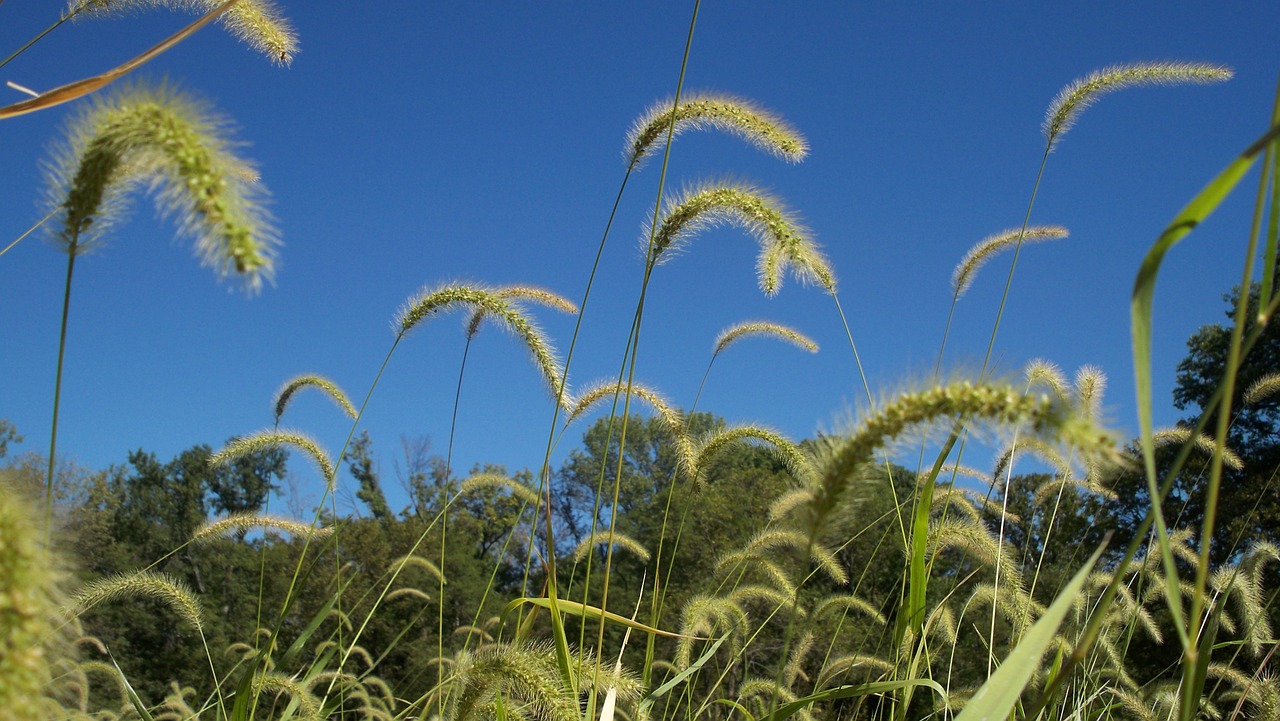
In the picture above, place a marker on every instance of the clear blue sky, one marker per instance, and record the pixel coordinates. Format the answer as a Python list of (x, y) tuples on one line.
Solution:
[(416, 143)]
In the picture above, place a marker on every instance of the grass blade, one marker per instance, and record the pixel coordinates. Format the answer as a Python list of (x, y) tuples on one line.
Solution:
[(134, 700), (593, 613), (679, 678), (996, 699), (1195, 212), (71, 91)]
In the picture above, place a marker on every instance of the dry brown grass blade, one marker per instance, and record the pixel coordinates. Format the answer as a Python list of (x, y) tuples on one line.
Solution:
[(80, 88)]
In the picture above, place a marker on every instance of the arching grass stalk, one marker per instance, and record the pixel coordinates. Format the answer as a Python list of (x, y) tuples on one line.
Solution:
[(1191, 673), (537, 295), (257, 23), (148, 584), (727, 338), (651, 257), (426, 304), (176, 145), (1090, 633), (1061, 115), (429, 303)]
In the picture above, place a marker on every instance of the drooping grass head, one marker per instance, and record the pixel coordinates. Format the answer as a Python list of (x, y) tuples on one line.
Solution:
[(175, 147), (725, 113), (784, 243), (258, 23)]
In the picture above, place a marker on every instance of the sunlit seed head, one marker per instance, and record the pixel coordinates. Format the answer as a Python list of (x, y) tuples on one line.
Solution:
[(990, 246), (764, 329), (1065, 109), (311, 380), (727, 114), (258, 23), (177, 149), (784, 243)]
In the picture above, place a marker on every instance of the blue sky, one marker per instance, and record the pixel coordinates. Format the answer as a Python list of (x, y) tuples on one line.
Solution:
[(411, 144)]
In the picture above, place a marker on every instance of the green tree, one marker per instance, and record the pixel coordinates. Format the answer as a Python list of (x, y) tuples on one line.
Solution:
[(1254, 433), (8, 434), (360, 462), (1249, 502)]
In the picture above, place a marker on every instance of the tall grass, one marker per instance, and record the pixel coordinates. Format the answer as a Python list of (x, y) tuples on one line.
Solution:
[(951, 610)]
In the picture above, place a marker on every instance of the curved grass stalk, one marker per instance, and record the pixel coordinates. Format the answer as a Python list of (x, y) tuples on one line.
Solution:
[(1063, 111), (612, 537), (727, 338), (513, 293), (751, 329), (162, 139), (241, 522), (705, 449), (1083, 92), (148, 584)]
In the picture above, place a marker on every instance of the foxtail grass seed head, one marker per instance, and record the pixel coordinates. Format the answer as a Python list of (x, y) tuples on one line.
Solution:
[(845, 603), (1205, 444), (478, 481), (263, 440), (527, 674), (671, 419), (705, 111), (1261, 389), (416, 561), (311, 380), (517, 293), (1090, 385), (277, 683), (784, 243), (843, 458), (606, 537), (1041, 372), (992, 245), (242, 522), (30, 582), (143, 584), (257, 23), (177, 148), (706, 448), (762, 329), (433, 301), (1085, 91)]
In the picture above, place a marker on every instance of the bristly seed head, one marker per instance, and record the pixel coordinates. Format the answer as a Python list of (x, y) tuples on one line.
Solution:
[(988, 247), (1083, 92), (751, 329), (257, 23), (263, 440), (1049, 420), (326, 386), (732, 115), (784, 243), (176, 147), (430, 302), (516, 293)]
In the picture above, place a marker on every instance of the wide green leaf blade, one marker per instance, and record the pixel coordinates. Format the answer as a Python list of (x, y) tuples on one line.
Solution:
[(574, 608), (679, 678), (996, 698), (1195, 212)]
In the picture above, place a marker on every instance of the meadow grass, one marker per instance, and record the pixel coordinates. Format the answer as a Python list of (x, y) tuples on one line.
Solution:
[(952, 611)]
